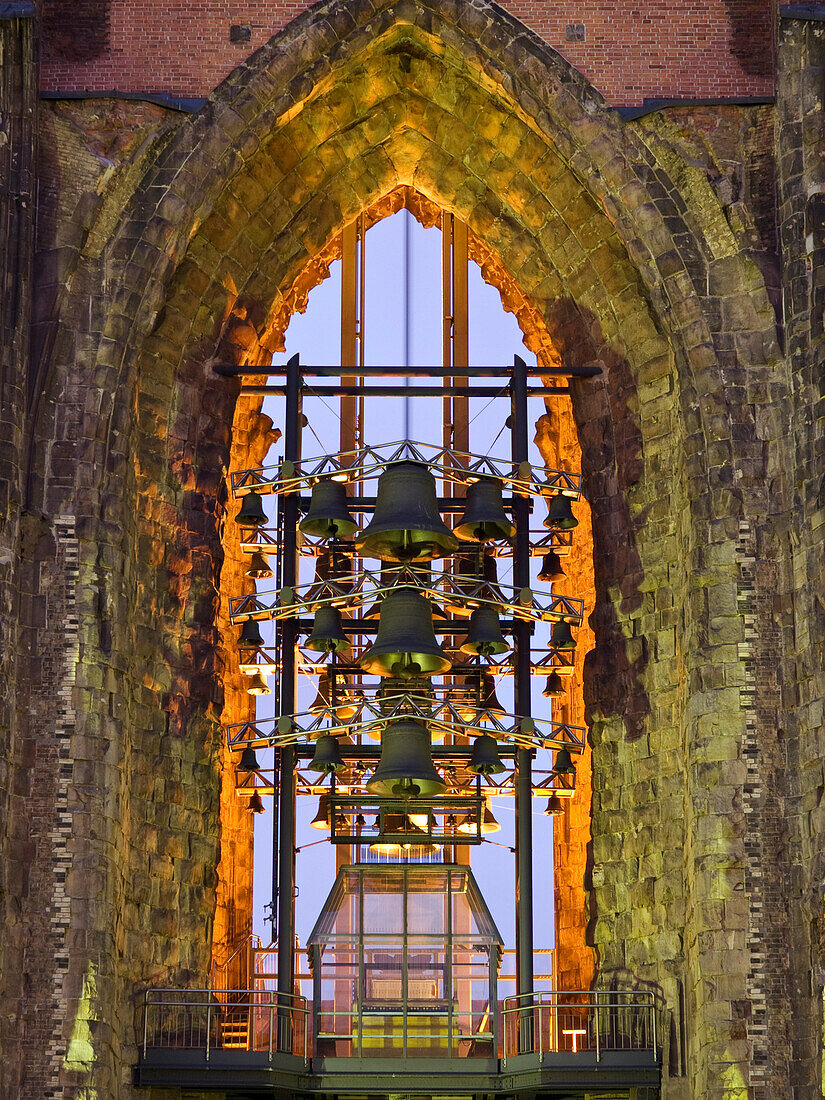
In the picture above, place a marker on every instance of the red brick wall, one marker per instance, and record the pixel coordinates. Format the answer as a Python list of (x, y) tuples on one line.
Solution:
[(631, 48)]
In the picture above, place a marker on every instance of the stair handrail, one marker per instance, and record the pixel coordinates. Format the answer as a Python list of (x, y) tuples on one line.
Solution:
[(250, 943)]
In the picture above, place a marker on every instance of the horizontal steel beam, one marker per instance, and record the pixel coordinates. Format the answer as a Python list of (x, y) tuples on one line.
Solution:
[(229, 370), (402, 391)]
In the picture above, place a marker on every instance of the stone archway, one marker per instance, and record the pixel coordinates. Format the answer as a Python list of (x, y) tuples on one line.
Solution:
[(229, 224)]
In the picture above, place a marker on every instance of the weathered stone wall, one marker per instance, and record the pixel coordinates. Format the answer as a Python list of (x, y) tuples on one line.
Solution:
[(19, 611), (649, 248), (798, 609)]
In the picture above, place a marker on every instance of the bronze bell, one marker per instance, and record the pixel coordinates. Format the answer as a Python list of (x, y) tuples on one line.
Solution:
[(255, 805), (409, 836), (321, 819), (251, 634), (406, 644), (406, 766), (251, 513), (327, 756), (327, 633), (343, 708), (249, 761), (563, 763), (555, 806), (489, 699), (484, 518), (484, 636), (406, 523), (551, 569), (489, 824), (485, 759), (257, 685), (554, 686), (561, 637), (259, 568), (560, 513), (328, 516)]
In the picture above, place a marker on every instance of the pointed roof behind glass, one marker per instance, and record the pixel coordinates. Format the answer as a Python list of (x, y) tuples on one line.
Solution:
[(422, 900)]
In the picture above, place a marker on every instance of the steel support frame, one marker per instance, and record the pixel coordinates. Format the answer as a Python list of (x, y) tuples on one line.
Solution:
[(522, 705), (284, 902), (285, 830)]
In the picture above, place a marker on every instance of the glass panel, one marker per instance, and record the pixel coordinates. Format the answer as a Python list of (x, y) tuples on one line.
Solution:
[(384, 913)]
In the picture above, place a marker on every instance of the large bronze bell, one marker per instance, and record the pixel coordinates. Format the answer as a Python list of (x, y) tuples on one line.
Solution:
[(406, 523), (406, 767), (327, 756), (484, 636), (561, 637), (560, 513), (406, 644), (551, 569), (251, 512), (484, 518), (327, 633), (485, 759), (328, 516)]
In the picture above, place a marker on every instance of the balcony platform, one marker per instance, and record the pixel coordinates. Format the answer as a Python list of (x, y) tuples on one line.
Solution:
[(631, 1074)]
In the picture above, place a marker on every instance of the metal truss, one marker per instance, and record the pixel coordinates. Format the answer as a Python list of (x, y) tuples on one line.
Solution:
[(367, 463)]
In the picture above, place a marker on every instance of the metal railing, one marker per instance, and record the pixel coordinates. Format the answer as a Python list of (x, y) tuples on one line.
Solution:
[(587, 1022), (226, 1019)]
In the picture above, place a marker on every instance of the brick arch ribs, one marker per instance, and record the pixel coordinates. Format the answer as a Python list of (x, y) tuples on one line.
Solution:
[(226, 228)]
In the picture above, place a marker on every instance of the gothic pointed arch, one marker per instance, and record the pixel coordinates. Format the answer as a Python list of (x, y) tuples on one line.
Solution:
[(613, 251)]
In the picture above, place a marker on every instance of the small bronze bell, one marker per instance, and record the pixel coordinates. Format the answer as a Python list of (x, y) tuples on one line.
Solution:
[(489, 824), (343, 708), (259, 567), (255, 804), (560, 513), (408, 834), (321, 819), (551, 569), (327, 633), (406, 523), (561, 637), (563, 763), (406, 644), (249, 761), (257, 685), (484, 518), (554, 686), (485, 759), (484, 636), (329, 516), (406, 766), (489, 699), (250, 634), (327, 756), (555, 806), (251, 513)]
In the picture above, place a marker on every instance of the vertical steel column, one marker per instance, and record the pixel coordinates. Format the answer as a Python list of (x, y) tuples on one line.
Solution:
[(524, 777), (289, 637)]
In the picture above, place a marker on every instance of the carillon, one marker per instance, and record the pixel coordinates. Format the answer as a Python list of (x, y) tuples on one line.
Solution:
[(410, 634)]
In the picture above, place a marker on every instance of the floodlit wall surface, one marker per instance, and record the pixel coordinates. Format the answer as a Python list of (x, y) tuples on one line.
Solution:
[(681, 251)]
